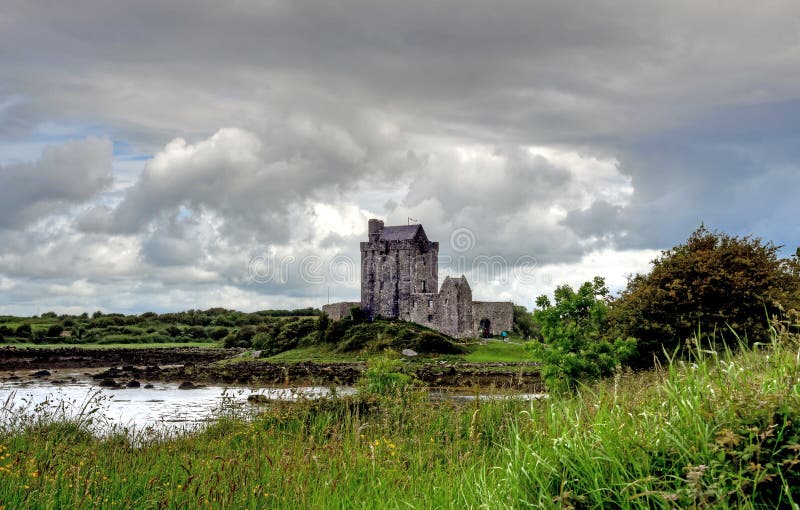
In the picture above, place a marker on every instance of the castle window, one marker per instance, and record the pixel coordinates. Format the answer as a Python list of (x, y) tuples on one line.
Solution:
[(430, 303), (430, 318), (423, 285)]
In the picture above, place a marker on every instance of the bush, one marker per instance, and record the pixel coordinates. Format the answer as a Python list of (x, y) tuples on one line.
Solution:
[(282, 335), (358, 336), (429, 342), (198, 332), (23, 331), (383, 377), (55, 330), (241, 338), (702, 288), (574, 348), (524, 326), (217, 333)]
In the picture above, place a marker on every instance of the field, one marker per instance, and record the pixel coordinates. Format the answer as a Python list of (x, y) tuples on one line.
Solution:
[(721, 431)]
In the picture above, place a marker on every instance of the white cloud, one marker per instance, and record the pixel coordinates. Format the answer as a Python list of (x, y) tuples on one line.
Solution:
[(548, 129), (65, 174)]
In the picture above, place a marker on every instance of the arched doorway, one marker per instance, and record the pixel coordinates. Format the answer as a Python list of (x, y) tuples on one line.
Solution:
[(485, 328)]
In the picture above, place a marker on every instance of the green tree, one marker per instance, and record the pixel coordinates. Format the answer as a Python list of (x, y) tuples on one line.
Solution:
[(573, 328), (712, 284), (524, 325)]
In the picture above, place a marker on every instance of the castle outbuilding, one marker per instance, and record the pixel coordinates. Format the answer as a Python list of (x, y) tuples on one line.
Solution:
[(400, 280)]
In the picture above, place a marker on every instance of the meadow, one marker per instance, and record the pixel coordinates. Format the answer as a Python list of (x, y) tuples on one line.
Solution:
[(717, 430)]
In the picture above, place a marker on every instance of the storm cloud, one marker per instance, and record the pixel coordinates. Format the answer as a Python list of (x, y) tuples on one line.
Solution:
[(156, 149)]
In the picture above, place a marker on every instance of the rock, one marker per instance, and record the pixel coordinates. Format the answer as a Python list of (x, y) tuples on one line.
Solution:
[(133, 384), (187, 385), (257, 398), (41, 373), (409, 352), (127, 368), (109, 383), (256, 354), (148, 386)]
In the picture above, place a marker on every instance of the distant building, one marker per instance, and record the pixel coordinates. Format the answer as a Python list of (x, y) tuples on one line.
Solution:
[(400, 280)]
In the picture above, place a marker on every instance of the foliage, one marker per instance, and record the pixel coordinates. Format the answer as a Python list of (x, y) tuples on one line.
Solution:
[(377, 335), (23, 330), (713, 283), (283, 335), (524, 325), (384, 378), (210, 325), (573, 348), (721, 432)]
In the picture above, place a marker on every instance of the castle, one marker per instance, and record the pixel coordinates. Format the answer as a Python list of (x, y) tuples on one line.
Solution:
[(400, 280)]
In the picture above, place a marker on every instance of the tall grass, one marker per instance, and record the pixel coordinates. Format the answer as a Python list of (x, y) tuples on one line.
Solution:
[(722, 431), (718, 431)]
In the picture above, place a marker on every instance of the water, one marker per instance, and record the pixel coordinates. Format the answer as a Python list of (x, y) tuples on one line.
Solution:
[(164, 406)]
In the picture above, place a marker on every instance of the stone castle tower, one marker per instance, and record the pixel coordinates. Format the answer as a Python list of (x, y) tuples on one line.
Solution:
[(399, 280)]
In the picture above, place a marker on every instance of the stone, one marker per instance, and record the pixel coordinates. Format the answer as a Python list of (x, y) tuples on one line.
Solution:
[(133, 384), (399, 280), (109, 383), (409, 352), (41, 373), (148, 386), (257, 398), (187, 385)]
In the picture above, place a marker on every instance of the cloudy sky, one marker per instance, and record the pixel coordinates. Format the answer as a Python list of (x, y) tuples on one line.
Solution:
[(163, 155)]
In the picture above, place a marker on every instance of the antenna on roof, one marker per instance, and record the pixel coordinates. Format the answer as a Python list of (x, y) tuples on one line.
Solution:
[(412, 220)]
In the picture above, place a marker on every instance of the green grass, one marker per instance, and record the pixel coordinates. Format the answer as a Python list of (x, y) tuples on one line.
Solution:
[(318, 354), (721, 431), (498, 351)]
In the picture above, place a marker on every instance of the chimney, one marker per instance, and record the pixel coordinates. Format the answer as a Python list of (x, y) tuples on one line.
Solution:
[(375, 228)]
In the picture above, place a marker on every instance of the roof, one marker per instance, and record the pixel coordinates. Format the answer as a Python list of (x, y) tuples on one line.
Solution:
[(401, 233), (457, 282)]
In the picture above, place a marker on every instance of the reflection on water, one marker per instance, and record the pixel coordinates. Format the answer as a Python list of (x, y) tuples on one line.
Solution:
[(163, 406)]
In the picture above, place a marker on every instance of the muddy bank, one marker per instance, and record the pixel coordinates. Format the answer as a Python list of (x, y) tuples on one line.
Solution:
[(207, 366), (12, 358)]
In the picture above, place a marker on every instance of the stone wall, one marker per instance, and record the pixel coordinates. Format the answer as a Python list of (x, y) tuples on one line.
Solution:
[(500, 315), (338, 311), (424, 309), (455, 300), (393, 269), (400, 280)]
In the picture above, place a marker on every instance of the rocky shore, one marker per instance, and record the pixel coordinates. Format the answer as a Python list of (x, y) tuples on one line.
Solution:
[(197, 366)]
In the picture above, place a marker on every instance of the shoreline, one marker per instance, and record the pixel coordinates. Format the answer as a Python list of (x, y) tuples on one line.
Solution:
[(202, 366)]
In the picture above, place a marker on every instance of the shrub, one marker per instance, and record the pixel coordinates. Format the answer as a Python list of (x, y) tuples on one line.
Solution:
[(574, 348), (430, 342), (55, 330), (711, 283), (383, 377), (524, 325), (198, 332), (217, 333), (241, 338), (358, 336), (23, 331)]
